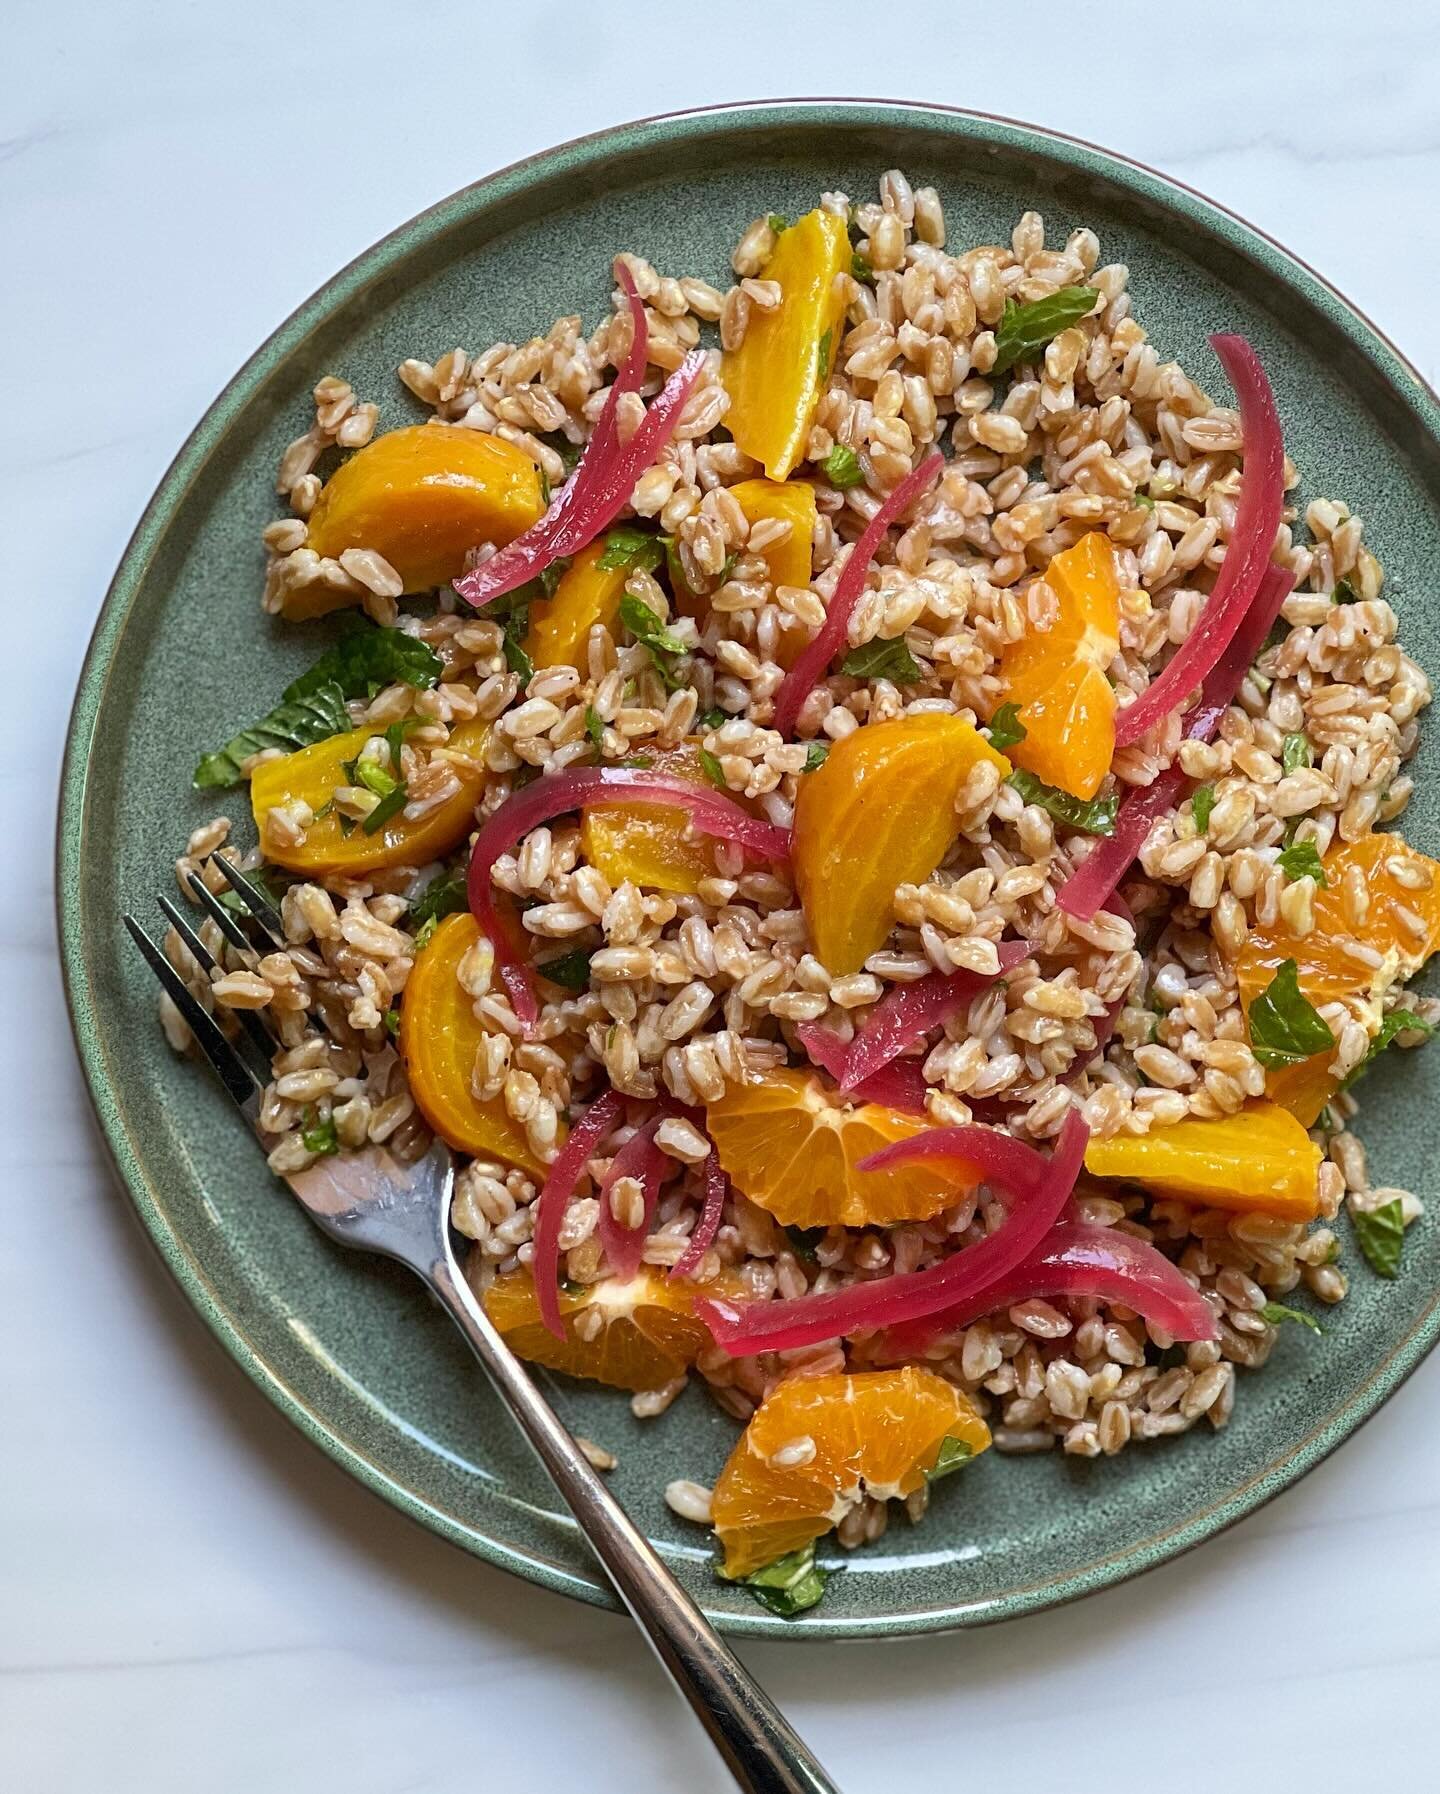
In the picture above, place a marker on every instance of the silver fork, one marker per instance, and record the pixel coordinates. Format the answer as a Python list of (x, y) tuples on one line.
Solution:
[(370, 1201)]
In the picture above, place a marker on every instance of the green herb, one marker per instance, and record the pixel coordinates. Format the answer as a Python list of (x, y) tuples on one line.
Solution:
[(445, 895), (389, 805), (1380, 1233), (374, 777), (637, 760), (1332, 1251), (842, 468), (629, 548), (424, 932), (570, 969), (1325, 1121), (1344, 592), (674, 566), (595, 727), (1285, 1026), (1025, 329), (318, 1136), (1202, 802), (1006, 728), (1144, 500), (803, 1241), (392, 1022), (368, 659), (882, 660), (778, 222), (236, 904), (1399, 1021), (1301, 859), (652, 634), (790, 1585), (1295, 753), (551, 576), (395, 741), (860, 268), (822, 357), (710, 766), (715, 718), (517, 626), (293, 723), (1276, 1313), (952, 1455), (1095, 817), (815, 754)]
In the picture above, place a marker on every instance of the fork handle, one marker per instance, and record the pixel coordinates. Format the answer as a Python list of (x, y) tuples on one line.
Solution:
[(760, 1748)]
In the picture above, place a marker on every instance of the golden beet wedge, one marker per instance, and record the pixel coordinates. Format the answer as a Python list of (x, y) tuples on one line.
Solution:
[(1260, 1158)]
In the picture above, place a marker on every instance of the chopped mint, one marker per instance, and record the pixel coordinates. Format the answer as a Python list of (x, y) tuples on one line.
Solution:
[(710, 766), (1095, 816), (842, 468), (822, 356), (1345, 592), (952, 1455), (714, 718), (882, 660), (1025, 329), (294, 723), (317, 1135), (392, 1022), (1295, 752), (815, 753), (551, 576), (1202, 802), (803, 1241), (367, 659), (1380, 1234), (652, 634), (790, 1585), (629, 548), (390, 804), (445, 895), (595, 727), (1398, 1021), (572, 970), (1274, 1313), (778, 222), (860, 268), (1285, 1026), (1301, 859), (1006, 728)]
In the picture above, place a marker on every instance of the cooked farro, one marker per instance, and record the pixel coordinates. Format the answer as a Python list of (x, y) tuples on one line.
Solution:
[(677, 997)]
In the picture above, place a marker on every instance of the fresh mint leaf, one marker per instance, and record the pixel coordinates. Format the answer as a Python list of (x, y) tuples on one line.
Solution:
[(1202, 802), (264, 877), (1275, 1313), (318, 1135), (368, 659), (517, 627), (637, 760), (374, 777), (389, 805), (882, 660), (714, 718), (315, 715), (445, 895), (392, 1022), (815, 754), (790, 1585), (710, 766), (822, 357), (572, 970), (1006, 728), (778, 222), (1144, 500), (424, 932), (627, 548), (647, 628), (842, 468), (1285, 1026), (550, 577), (1380, 1234), (1399, 1021), (860, 268), (595, 727), (1025, 329), (1301, 859), (1093, 816), (1345, 592), (1295, 753), (953, 1454), (803, 1241)]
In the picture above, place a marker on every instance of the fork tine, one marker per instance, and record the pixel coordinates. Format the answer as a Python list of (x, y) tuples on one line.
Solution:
[(228, 924), (228, 1066), (254, 1030), (260, 906)]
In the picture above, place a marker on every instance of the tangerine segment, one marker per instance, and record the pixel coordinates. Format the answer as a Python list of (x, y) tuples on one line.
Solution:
[(439, 1037), (1057, 675), (313, 775), (423, 497), (877, 1432), (636, 1333), (1260, 1158), (792, 1148), (776, 376), (650, 844), (1401, 923), (587, 594), (879, 813)]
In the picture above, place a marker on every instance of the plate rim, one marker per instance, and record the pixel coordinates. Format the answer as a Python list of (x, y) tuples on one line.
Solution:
[(1393, 368)]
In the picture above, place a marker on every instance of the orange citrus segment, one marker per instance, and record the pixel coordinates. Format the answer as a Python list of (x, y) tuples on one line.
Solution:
[(638, 1333), (1402, 925), (877, 1432), (792, 1148), (647, 843), (1057, 676)]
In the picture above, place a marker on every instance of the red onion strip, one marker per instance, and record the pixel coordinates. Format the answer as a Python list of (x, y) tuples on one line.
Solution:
[(909, 1011), (1257, 518), (1076, 1259), (560, 1181), (813, 664), (899, 1085), (642, 1159), (1041, 1188), (702, 1236), (575, 789)]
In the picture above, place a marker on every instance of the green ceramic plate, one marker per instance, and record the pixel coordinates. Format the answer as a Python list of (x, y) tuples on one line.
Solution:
[(348, 1348)]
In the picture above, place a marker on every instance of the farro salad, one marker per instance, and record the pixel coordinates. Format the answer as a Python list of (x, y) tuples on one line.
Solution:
[(873, 849)]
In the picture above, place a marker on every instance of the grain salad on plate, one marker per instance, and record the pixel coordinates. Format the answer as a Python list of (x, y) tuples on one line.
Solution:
[(860, 804)]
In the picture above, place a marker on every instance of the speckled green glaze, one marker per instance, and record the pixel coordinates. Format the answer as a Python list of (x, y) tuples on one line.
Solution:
[(348, 1348)]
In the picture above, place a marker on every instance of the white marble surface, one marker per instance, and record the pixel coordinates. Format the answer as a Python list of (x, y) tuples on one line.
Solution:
[(190, 1598)]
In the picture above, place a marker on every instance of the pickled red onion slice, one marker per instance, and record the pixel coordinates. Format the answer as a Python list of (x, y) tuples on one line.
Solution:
[(550, 1206), (702, 1236)]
